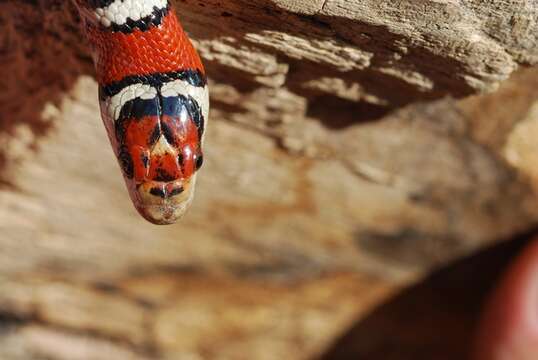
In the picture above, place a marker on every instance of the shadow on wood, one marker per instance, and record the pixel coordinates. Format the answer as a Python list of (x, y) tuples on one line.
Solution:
[(436, 317)]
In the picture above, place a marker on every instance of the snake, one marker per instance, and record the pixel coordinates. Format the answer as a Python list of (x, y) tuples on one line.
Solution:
[(153, 97)]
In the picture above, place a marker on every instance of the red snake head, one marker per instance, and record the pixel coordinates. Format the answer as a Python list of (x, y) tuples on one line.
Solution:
[(156, 129)]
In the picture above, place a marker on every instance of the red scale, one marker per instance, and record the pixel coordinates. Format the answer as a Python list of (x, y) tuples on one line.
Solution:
[(162, 49)]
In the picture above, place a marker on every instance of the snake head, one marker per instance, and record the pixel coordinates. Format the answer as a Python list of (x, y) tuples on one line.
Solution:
[(166, 153), (157, 134)]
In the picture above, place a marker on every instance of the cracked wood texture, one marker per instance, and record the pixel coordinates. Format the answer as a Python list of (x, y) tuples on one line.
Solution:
[(355, 147)]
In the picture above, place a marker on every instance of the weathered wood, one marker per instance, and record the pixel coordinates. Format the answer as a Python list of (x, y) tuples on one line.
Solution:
[(342, 164)]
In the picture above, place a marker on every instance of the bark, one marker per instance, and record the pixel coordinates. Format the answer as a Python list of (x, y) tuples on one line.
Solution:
[(353, 147)]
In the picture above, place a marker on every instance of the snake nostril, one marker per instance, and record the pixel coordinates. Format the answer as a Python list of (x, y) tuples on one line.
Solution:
[(176, 191), (165, 193), (160, 192)]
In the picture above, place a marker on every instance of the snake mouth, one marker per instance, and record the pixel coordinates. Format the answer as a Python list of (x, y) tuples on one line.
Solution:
[(165, 191), (164, 202)]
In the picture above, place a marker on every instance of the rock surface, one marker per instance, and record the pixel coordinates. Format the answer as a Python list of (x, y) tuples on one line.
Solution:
[(350, 152)]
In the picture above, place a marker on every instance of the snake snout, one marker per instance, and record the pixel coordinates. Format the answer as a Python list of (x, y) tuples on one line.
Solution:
[(164, 202)]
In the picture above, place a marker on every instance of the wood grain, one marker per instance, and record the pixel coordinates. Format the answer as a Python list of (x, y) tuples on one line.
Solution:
[(355, 146)]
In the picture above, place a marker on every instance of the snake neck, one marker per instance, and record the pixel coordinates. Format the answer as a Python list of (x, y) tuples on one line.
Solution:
[(136, 38)]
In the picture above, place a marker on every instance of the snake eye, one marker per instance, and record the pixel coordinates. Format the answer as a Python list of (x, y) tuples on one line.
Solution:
[(199, 161), (180, 159), (126, 162)]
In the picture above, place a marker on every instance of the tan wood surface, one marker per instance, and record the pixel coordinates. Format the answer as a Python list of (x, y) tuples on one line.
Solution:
[(354, 147)]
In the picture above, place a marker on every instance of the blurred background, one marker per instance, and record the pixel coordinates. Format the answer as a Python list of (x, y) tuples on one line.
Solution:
[(370, 168)]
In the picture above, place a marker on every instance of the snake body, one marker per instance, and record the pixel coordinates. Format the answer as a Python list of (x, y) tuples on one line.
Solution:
[(154, 100)]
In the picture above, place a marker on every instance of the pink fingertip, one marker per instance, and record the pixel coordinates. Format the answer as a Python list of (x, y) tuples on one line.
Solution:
[(509, 325)]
